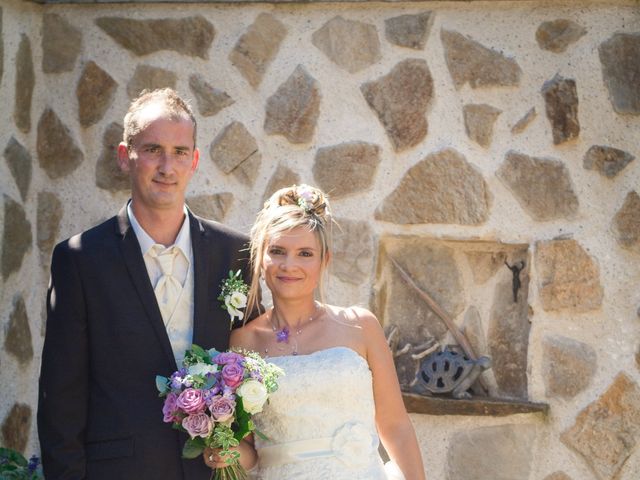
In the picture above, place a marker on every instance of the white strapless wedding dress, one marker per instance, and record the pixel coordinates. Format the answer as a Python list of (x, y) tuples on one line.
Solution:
[(320, 422)]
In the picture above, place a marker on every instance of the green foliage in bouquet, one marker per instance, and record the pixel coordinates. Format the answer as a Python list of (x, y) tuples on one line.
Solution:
[(13, 466)]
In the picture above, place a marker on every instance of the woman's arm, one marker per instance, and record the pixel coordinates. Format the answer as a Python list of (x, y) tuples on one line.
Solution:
[(392, 421)]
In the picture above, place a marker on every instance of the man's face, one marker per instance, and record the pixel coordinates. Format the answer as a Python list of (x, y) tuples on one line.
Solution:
[(161, 160)]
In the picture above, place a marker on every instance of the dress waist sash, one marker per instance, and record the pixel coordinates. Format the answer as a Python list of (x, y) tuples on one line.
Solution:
[(291, 452), (352, 443)]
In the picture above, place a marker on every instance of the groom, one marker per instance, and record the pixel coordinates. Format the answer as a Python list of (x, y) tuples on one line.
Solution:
[(126, 298)]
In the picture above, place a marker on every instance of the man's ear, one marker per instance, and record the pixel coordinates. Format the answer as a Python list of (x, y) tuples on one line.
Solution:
[(123, 157), (196, 160)]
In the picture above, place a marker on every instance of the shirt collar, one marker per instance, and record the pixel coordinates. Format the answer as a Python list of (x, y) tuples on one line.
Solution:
[(183, 240)]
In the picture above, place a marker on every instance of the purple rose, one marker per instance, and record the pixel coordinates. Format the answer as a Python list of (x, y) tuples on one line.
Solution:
[(191, 401), (232, 374), (170, 408), (228, 357), (222, 408), (197, 425), (177, 378)]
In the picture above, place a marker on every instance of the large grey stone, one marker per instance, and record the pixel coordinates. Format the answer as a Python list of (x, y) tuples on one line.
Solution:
[(16, 426), (48, 219), (292, 111), (20, 165), (1, 48), (350, 44), (233, 149), (607, 431), (400, 99), (567, 276), (210, 100), (109, 175), (557, 35), (61, 44), (95, 92), (25, 82), (18, 338), (508, 337), (282, 177), (478, 122), (213, 206), (432, 266), (58, 153), (557, 476), (189, 35), (16, 238), (620, 58), (147, 77), (525, 121), (346, 169), (498, 453), (352, 258), (485, 264), (474, 332), (607, 161), (542, 186), (568, 366), (561, 103), (257, 47), (470, 62), (626, 223), (442, 188), (409, 31)]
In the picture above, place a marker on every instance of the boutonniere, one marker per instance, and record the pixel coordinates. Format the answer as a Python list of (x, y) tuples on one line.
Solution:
[(233, 295)]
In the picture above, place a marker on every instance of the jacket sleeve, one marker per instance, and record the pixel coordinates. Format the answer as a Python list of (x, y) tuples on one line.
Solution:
[(64, 374)]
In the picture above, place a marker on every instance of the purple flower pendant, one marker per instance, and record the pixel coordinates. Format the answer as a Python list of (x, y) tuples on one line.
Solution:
[(283, 335)]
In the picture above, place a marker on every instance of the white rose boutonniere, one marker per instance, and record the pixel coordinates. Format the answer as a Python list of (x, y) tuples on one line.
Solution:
[(233, 295)]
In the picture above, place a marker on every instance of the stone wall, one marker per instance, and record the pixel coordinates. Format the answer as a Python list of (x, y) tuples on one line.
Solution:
[(452, 136)]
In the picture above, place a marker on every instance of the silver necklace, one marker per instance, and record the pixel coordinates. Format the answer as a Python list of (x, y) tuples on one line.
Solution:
[(285, 336)]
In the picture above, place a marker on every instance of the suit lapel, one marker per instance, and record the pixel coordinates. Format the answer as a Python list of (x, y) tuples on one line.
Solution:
[(132, 255)]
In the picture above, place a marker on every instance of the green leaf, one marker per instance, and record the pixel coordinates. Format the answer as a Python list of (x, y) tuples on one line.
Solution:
[(260, 434), (193, 447), (162, 384)]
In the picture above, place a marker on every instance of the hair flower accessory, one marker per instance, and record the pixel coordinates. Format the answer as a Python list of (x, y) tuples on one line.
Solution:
[(306, 198), (233, 295)]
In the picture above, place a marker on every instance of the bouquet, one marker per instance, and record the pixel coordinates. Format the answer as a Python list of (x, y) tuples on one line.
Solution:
[(13, 466), (213, 397)]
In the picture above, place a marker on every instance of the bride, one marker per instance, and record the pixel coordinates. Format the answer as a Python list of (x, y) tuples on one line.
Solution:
[(340, 394)]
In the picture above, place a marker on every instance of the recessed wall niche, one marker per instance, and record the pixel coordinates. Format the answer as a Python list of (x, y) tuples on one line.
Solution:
[(482, 285)]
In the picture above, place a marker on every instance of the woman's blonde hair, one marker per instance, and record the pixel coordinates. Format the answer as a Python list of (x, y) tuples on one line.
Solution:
[(287, 209)]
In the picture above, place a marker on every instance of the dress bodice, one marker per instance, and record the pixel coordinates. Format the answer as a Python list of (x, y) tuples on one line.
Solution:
[(324, 412)]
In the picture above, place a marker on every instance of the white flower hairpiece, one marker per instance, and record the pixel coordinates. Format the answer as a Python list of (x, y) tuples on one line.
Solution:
[(306, 198)]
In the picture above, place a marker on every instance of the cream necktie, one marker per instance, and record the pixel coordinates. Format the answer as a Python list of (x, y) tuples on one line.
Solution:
[(168, 287)]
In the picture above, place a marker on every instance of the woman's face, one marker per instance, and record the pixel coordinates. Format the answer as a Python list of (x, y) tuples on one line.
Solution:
[(292, 264)]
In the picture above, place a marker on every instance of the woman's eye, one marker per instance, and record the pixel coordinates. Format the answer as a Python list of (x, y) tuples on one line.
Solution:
[(306, 253), (275, 251)]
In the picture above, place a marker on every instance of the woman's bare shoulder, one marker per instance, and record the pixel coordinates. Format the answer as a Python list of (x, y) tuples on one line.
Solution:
[(247, 336)]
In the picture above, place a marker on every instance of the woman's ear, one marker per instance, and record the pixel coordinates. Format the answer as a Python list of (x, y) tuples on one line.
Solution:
[(327, 258)]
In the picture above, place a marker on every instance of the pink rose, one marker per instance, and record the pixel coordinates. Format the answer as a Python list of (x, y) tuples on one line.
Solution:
[(232, 374), (222, 408), (170, 408), (228, 357), (191, 401), (197, 425)]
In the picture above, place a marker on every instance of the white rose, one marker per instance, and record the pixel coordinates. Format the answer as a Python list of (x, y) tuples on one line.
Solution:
[(234, 302), (202, 369), (353, 444), (254, 395)]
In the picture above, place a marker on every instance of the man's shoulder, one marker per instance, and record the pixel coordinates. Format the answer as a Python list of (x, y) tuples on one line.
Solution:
[(215, 228), (94, 238)]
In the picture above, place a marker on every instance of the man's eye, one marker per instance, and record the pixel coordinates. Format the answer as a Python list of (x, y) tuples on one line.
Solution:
[(182, 153), (153, 149)]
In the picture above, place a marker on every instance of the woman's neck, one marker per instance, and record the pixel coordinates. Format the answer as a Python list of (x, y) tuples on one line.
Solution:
[(291, 312)]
